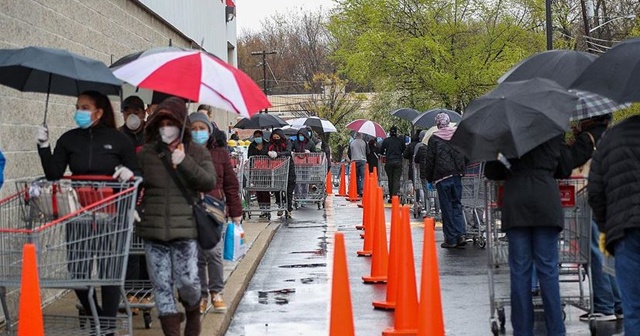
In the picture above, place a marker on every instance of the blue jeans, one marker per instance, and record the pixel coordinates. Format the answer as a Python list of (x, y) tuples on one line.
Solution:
[(539, 245), (627, 265), (450, 193), (606, 297), (360, 174)]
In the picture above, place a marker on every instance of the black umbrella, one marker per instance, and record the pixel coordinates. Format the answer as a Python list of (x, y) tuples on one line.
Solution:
[(614, 74), (560, 66), (261, 120), (513, 119), (405, 113), (39, 69), (427, 119)]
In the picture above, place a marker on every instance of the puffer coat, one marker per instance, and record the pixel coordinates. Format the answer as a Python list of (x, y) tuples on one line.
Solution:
[(167, 214)]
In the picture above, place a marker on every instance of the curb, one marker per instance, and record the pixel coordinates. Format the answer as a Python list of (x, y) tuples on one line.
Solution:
[(238, 281)]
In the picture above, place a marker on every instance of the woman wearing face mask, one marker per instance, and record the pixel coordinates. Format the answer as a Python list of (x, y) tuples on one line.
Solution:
[(168, 228), (228, 189), (258, 147), (96, 147), (281, 147)]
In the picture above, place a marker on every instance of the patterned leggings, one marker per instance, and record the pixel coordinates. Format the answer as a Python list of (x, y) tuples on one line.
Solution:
[(175, 261)]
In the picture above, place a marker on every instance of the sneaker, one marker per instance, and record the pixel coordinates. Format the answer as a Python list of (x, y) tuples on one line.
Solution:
[(619, 314), (461, 241), (203, 305), (218, 303), (598, 317), (447, 245)]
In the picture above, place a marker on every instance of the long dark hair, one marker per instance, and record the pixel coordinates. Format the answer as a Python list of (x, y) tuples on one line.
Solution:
[(102, 102)]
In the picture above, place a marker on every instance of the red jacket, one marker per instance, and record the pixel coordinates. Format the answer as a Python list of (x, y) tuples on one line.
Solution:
[(227, 185)]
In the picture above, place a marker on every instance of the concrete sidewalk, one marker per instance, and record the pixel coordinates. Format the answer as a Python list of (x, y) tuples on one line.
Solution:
[(258, 235)]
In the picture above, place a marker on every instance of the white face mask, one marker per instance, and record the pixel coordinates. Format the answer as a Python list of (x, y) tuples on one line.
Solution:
[(133, 122), (169, 133)]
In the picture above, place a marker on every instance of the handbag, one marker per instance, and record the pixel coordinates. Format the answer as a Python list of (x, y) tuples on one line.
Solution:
[(208, 212)]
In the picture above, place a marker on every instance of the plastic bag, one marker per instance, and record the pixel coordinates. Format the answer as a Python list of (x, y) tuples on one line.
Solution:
[(234, 243)]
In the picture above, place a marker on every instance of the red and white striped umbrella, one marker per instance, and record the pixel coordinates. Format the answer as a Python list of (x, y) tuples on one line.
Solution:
[(367, 127), (194, 75)]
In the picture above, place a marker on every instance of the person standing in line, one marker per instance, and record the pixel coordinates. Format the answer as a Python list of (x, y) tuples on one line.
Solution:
[(358, 150), (614, 196), (133, 114), (210, 266), (258, 147), (607, 305), (168, 227), (279, 146), (392, 148), (372, 154), (532, 217), (95, 147), (444, 167)]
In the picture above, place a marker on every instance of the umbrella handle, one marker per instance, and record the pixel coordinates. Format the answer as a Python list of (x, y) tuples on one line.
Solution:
[(46, 104)]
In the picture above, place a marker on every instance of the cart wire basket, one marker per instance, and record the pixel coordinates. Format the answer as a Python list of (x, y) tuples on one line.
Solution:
[(81, 227), (311, 170)]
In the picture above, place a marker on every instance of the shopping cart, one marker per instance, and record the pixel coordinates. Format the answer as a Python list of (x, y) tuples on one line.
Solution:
[(263, 173), (573, 247), (472, 200), (311, 169), (81, 228)]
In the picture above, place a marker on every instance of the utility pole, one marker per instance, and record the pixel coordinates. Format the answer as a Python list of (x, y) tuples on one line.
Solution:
[(264, 68), (549, 24)]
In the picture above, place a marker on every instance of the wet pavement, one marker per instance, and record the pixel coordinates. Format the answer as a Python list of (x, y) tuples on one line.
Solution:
[(289, 293)]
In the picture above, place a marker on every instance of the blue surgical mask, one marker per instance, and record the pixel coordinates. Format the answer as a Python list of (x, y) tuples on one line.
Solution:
[(83, 118), (301, 137), (258, 140), (200, 137)]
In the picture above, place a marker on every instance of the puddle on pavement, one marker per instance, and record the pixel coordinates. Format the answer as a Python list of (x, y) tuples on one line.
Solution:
[(304, 265), (277, 296)]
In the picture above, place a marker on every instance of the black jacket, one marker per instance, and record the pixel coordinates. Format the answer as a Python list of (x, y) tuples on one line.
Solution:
[(136, 138), (392, 148), (97, 150), (283, 149), (441, 160), (372, 156), (531, 197), (253, 149), (301, 146), (614, 183)]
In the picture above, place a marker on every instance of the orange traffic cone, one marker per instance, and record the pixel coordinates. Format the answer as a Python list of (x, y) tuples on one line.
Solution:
[(328, 184), (405, 317), (369, 219), (365, 192), (431, 320), (342, 190), (30, 321), (341, 319), (380, 255), (353, 184), (394, 256), (365, 185)]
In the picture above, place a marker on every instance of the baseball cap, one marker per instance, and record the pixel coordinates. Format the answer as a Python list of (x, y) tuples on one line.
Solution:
[(132, 102)]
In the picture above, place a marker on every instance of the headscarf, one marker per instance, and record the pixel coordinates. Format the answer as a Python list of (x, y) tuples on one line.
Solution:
[(442, 120)]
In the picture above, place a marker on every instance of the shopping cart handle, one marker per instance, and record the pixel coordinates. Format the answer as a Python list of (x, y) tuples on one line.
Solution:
[(107, 178)]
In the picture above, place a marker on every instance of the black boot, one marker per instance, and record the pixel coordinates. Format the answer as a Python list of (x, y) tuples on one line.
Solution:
[(171, 324), (193, 321)]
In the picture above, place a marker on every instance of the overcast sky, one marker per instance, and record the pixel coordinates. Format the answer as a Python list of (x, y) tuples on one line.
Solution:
[(251, 12)]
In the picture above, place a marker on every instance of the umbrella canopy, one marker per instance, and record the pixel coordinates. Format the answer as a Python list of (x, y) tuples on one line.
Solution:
[(513, 119), (367, 127), (614, 74), (560, 66), (290, 130), (317, 124), (39, 69), (195, 75), (261, 120), (405, 113), (593, 105), (428, 119)]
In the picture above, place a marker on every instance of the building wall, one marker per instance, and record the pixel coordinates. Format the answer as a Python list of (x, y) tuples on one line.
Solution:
[(101, 29)]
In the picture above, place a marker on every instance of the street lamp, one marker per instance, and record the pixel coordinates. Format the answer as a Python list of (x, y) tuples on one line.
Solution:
[(611, 20)]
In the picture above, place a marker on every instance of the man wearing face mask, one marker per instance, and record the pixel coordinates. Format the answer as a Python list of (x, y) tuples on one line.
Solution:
[(133, 113), (281, 147)]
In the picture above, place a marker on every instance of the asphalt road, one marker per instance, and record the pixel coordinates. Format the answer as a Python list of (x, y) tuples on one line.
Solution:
[(289, 294)]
